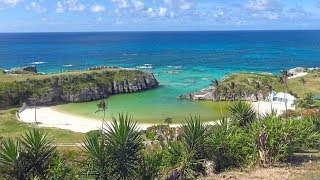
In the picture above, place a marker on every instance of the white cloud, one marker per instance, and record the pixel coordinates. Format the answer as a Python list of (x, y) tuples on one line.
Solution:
[(121, 3), (118, 22), (138, 5), (151, 12), (185, 5), (162, 11), (36, 7), (96, 8), (264, 5), (69, 5), (10, 3), (99, 19), (59, 7)]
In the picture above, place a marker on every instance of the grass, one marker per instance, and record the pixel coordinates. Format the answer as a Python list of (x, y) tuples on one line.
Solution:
[(312, 85), (4, 78), (11, 127)]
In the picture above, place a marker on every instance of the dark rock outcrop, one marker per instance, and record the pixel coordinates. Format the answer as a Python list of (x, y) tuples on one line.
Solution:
[(24, 70)]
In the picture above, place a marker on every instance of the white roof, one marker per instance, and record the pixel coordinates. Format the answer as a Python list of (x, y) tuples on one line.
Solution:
[(285, 95)]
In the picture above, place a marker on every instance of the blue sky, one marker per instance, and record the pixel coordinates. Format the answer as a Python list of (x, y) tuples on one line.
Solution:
[(157, 15)]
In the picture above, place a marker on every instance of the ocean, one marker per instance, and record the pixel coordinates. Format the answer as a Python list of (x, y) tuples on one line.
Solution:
[(183, 61)]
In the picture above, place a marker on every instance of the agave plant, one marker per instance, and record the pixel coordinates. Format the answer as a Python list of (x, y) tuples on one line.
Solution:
[(37, 152), (242, 114), (124, 144)]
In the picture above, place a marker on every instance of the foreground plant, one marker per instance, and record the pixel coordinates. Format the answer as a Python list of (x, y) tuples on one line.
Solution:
[(27, 157), (242, 114), (277, 138), (115, 153)]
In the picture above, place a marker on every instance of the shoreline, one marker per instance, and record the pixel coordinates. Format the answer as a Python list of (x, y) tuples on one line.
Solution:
[(48, 117)]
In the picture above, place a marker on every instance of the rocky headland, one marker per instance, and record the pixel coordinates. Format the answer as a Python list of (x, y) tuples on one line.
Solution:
[(246, 86), (72, 87)]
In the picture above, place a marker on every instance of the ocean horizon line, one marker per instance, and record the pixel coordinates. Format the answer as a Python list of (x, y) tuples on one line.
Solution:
[(151, 31)]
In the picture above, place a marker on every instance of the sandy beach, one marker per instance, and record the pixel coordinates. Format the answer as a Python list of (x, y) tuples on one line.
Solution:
[(48, 117)]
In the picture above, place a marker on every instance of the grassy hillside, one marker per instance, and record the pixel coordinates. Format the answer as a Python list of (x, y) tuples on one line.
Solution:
[(247, 80)]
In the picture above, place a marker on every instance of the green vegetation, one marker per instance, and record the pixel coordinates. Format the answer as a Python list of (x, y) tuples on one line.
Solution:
[(191, 151), (311, 83), (64, 87)]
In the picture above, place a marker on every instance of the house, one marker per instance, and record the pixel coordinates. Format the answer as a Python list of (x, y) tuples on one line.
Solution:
[(281, 97)]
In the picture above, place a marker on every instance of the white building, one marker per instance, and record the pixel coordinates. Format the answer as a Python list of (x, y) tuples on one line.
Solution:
[(283, 98)]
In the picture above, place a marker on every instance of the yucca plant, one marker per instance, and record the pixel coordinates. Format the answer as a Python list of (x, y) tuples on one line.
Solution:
[(230, 146), (97, 151), (278, 138), (124, 144), (37, 150), (180, 161), (242, 114), (10, 162), (194, 134), (150, 164)]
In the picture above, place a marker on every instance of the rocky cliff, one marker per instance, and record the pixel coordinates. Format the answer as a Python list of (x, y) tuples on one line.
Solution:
[(80, 87)]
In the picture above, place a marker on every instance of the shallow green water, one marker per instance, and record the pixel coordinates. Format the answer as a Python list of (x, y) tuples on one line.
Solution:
[(147, 107)]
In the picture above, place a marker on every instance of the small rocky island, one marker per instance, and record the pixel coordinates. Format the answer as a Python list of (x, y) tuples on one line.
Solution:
[(26, 85)]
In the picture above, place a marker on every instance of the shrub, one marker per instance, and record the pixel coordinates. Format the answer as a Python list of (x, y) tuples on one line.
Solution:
[(242, 114), (150, 164), (290, 114), (277, 138), (230, 146)]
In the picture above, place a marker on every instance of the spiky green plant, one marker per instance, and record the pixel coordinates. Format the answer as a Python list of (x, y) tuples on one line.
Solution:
[(97, 151), (10, 164), (230, 146), (180, 161), (242, 114), (194, 134), (124, 144), (37, 152), (150, 164)]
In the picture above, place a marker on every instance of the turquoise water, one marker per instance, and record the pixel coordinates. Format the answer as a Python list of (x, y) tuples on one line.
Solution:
[(201, 55)]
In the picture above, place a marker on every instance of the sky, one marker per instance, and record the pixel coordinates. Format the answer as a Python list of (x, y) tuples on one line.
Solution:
[(157, 15)]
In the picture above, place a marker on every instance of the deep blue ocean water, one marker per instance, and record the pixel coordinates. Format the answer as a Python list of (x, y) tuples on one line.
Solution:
[(202, 55)]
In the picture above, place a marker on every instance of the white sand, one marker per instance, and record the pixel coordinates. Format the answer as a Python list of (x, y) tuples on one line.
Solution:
[(48, 117), (265, 107)]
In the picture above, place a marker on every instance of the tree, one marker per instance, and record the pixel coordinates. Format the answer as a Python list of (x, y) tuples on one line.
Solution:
[(102, 106), (232, 90), (283, 80), (257, 90), (270, 91), (303, 83), (168, 121), (217, 92)]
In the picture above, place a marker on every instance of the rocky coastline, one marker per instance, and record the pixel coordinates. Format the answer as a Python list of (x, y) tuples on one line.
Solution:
[(83, 86)]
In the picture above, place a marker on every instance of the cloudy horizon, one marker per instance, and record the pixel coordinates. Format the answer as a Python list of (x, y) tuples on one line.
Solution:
[(157, 15)]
